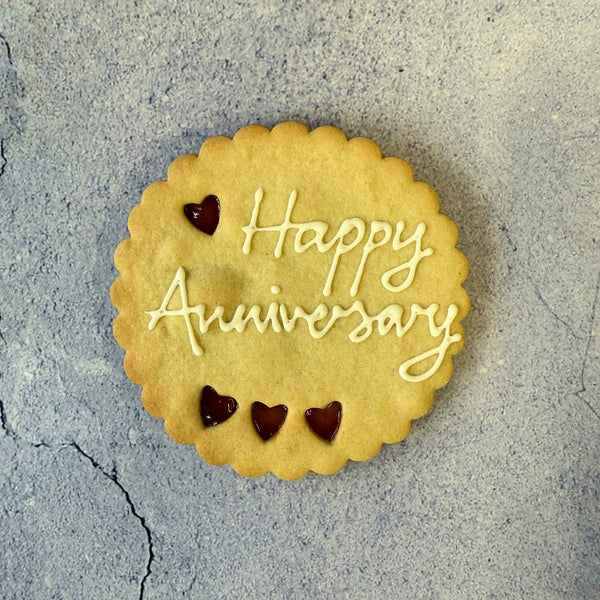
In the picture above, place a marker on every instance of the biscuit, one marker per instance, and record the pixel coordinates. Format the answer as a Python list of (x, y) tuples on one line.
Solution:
[(289, 299)]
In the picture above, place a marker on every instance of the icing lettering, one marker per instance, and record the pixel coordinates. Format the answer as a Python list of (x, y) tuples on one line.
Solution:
[(349, 235), (279, 317), (411, 265)]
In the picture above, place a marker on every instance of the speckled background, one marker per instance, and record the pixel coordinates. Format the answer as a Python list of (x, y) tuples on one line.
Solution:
[(495, 494)]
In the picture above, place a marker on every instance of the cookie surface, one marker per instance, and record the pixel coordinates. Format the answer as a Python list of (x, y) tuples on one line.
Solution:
[(293, 269)]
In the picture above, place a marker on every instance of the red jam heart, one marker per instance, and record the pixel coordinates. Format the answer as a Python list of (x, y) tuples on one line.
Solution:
[(204, 216), (325, 422), (268, 420), (214, 408)]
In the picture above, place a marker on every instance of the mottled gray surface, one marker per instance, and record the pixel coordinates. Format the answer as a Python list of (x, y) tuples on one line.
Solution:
[(495, 494)]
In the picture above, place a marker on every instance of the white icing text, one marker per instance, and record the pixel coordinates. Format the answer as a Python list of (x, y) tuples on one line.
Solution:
[(319, 321), (349, 235)]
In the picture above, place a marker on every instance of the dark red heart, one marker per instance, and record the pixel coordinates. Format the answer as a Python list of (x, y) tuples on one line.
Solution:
[(268, 420), (204, 216), (325, 422), (214, 408)]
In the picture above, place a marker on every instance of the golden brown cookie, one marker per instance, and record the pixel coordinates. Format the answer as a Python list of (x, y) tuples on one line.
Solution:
[(289, 300)]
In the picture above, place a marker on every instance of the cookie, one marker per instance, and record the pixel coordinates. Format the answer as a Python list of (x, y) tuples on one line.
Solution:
[(289, 299)]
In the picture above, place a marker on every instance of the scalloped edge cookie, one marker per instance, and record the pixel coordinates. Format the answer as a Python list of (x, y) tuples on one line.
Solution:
[(201, 232)]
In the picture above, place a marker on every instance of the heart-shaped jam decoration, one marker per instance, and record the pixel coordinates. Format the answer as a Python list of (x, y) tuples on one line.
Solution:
[(204, 216), (268, 419), (214, 408), (325, 422)]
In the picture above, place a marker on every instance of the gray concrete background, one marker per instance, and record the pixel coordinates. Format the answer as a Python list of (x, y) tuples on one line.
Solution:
[(495, 494)]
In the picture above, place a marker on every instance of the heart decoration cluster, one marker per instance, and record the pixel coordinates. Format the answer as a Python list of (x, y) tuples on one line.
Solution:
[(268, 420)]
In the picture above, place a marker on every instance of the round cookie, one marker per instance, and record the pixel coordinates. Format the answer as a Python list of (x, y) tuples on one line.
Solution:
[(289, 300)]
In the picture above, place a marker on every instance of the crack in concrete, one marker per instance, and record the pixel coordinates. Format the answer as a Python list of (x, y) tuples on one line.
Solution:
[(8, 53), (550, 309), (192, 584), (504, 230), (10, 432), (2, 335), (536, 289), (583, 389), (579, 393), (9, 60), (112, 475), (2, 157), (63, 386)]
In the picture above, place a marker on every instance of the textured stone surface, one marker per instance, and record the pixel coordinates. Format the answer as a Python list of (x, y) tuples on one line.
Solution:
[(495, 494)]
